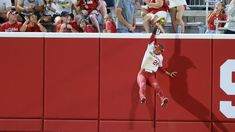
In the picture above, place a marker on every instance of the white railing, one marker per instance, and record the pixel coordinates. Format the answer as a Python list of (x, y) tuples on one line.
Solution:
[(203, 3), (199, 3), (196, 3), (218, 29)]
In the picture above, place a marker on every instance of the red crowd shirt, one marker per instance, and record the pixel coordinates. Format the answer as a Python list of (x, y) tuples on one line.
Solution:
[(90, 29), (35, 28), (7, 27), (89, 5), (110, 25), (164, 7), (72, 23), (212, 17)]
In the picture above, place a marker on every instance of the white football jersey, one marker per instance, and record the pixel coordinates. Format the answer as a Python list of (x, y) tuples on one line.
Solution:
[(151, 62)]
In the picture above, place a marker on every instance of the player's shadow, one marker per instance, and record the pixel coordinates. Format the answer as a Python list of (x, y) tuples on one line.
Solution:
[(179, 88), (135, 104)]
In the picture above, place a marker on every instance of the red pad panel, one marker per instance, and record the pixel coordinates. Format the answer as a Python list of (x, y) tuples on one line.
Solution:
[(223, 80), (71, 83), (21, 77), (189, 92), (233, 77), (22, 125), (183, 127), (126, 126), (70, 126), (120, 61), (223, 127)]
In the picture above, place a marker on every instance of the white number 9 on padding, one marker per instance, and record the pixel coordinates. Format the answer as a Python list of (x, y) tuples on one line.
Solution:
[(228, 87)]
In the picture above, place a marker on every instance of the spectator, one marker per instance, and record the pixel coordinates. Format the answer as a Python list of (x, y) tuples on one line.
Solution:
[(109, 25), (90, 5), (5, 6), (102, 8), (156, 9), (12, 25), (31, 24), (144, 10), (217, 14), (86, 27), (126, 14), (177, 8), (67, 24), (93, 10), (226, 2), (50, 11), (230, 25), (26, 7), (63, 5)]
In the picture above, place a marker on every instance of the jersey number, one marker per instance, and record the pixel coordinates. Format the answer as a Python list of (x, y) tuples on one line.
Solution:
[(155, 63), (228, 87)]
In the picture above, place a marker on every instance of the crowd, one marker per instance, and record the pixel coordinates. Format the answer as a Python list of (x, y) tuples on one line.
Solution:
[(92, 15), (219, 14), (66, 15)]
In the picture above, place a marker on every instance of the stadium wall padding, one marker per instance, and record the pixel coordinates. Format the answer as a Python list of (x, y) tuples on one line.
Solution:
[(88, 84)]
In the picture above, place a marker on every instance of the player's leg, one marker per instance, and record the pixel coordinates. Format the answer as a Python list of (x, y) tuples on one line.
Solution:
[(153, 82), (141, 80)]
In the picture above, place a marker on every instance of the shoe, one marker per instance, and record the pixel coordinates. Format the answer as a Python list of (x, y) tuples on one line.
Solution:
[(143, 100), (164, 102)]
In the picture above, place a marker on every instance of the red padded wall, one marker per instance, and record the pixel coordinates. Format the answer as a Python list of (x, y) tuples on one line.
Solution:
[(189, 92), (233, 77), (20, 125), (223, 127), (120, 61), (71, 79), (183, 127), (21, 77), (222, 51), (122, 58), (70, 126), (90, 85), (126, 126)]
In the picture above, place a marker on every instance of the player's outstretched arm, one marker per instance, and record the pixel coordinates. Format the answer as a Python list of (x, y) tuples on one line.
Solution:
[(153, 35), (170, 74)]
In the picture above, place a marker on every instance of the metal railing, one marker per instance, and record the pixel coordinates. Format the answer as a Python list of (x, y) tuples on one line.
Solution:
[(219, 29), (199, 3), (203, 3), (196, 3)]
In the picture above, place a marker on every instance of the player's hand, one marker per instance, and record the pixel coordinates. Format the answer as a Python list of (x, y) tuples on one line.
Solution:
[(173, 74)]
